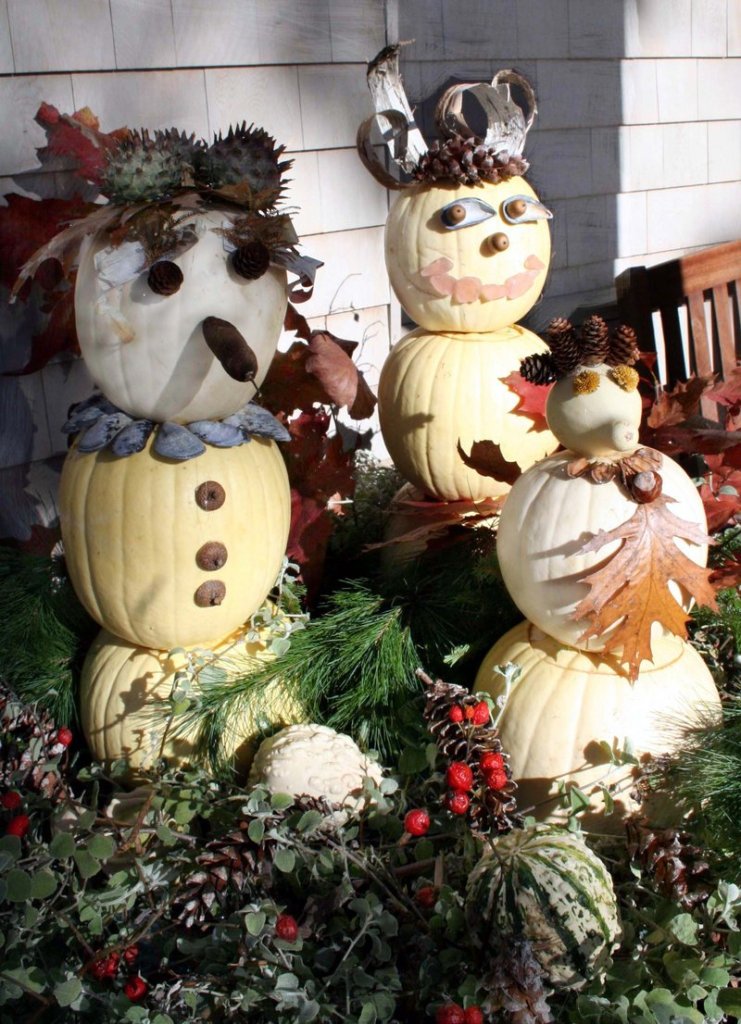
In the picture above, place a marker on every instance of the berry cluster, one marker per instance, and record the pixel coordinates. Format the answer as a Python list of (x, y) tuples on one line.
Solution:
[(452, 1013), (106, 966)]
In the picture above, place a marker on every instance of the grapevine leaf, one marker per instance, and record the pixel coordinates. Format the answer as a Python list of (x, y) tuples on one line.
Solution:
[(630, 590)]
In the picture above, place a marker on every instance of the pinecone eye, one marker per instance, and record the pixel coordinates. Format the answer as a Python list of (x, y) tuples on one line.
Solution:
[(524, 210), (464, 212), (165, 277)]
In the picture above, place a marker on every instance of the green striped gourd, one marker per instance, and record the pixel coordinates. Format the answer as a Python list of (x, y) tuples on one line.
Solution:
[(546, 886)]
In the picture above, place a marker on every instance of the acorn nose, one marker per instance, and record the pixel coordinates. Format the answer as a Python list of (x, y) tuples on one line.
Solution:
[(497, 242)]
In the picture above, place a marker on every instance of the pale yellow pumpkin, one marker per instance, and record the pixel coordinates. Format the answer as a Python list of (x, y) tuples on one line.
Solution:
[(152, 545), (603, 422), (566, 703), (549, 515), (147, 352), (121, 685), (437, 390), (455, 278)]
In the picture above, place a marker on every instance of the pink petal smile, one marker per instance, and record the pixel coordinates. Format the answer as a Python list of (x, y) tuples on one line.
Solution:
[(466, 290)]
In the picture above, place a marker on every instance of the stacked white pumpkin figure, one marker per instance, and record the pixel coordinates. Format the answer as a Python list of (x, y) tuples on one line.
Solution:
[(594, 545), (174, 499), (467, 252)]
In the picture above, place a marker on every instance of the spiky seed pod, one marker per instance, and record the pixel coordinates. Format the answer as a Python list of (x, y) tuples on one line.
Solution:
[(164, 277), (595, 340), (560, 337), (141, 169), (467, 162), (244, 155), (539, 369), (677, 867), (184, 147), (623, 347), (28, 743), (251, 260), (491, 810)]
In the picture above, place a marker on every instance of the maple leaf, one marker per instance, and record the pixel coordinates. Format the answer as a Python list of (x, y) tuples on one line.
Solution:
[(630, 590), (487, 459), (333, 367), (78, 138), (721, 492), (676, 406), (532, 398)]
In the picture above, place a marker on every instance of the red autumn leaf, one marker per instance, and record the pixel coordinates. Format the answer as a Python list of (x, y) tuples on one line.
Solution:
[(630, 589), (343, 383), (28, 224), (676, 406), (487, 459), (728, 393), (721, 492), (429, 520), (59, 333), (728, 574), (77, 137), (294, 321), (701, 440), (532, 398)]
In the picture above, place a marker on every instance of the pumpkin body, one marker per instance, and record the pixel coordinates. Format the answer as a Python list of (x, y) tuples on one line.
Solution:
[(548, 887), (151, 545), (454, 280), (120, 688), (439, 390), (549, 515), (566, 702), (602, 423), (147, 352)]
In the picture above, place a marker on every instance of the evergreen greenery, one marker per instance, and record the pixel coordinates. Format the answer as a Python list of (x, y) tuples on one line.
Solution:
[(46, 632)]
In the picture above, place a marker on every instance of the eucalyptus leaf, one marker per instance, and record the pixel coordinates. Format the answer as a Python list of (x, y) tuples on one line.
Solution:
[(62, 846), (101, 847), (285, 861), (66, 992), (256, 830), (255, 922), (43, 884), (87, 865), (19, 886)]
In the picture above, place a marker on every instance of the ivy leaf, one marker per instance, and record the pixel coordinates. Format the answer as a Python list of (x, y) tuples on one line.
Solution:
[(630, 590)]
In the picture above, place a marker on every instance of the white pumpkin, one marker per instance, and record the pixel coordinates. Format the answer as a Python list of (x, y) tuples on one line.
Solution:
[(439, 390), (565, 703), (465, 257), (121, 685), (168, 554), (603, 422), (147, 352), (547, 518)]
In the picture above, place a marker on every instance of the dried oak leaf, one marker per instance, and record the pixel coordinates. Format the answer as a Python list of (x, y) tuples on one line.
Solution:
[(487, 459), (532, 398), (630, 590), (438, 517), (330, 362), (676, 406)]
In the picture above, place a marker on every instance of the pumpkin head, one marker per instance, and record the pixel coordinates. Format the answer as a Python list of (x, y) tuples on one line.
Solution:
[(146, 350), (167, 554), (594, 413), (545, 521), (121, 685), (437, 391), (465, 257), (566, 703)]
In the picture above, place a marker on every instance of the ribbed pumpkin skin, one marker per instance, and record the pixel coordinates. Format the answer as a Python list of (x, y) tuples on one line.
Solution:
[(132, 527), (147, 352), (121, 683), (549, 515), (549, 887), (438, 389), (566, 702), (416, 238)]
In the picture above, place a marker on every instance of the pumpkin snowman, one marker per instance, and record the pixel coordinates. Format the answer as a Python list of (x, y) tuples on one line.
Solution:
[(174, 499), (602, 547), (467, 252)]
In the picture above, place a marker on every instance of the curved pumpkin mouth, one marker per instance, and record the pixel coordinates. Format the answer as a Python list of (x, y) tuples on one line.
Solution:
[(440, 282)]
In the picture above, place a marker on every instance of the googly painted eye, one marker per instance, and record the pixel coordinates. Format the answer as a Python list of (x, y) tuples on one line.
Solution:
[(524, 210), (464, 212)]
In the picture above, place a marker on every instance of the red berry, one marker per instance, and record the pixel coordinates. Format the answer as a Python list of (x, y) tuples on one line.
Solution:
[(98, 969), (18, 826), (456, 713), (450, 1013), (469, 713), (496, 779), (481, 713), (417, 823), (286, 928), (473, 1015), (458, 802), (65, 736), (135, 988), (11, 800), (460, 776), (131, 953), (491, 762), (426, 896)]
